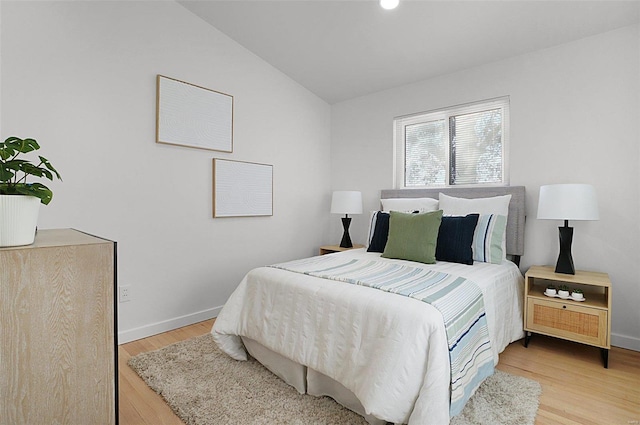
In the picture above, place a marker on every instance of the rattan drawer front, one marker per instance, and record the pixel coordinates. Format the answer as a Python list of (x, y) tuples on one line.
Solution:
[(568, 320)]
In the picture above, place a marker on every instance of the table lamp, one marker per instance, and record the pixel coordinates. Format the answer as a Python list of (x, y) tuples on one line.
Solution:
[(346, 202), (567, 202)]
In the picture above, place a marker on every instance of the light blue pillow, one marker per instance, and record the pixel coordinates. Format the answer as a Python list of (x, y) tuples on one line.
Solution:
[(488, 238)]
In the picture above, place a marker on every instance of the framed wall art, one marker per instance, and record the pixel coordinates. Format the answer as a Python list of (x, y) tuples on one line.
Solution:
[(242, 189), (193, 116)]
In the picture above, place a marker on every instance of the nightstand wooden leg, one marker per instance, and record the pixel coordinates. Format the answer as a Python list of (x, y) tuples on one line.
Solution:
[(527, 338), (605, 357)]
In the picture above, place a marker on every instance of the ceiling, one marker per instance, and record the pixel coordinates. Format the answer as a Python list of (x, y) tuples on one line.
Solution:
[(344, 49)]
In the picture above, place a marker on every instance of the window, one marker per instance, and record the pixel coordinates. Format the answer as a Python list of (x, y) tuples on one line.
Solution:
[(458, 146)]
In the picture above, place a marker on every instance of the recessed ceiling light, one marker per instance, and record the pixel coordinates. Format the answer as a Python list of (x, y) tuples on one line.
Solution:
[(389, 4)]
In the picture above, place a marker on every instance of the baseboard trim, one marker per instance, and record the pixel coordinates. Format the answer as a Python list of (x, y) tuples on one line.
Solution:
[(624, 341), (166, 325)]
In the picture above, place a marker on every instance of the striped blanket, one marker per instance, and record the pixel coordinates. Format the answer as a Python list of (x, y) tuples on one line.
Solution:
[(459, 301)]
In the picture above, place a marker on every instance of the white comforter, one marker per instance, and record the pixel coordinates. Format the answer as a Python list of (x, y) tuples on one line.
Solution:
[(389, 350)]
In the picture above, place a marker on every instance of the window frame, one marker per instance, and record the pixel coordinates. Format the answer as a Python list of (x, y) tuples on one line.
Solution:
[(400, 124)]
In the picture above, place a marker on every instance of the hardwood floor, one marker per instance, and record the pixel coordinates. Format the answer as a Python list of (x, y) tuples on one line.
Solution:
[(138, 403), (576, 389)]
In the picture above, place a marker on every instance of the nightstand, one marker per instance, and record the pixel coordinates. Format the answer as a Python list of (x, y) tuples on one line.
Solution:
[(586, 322), (328, 249)]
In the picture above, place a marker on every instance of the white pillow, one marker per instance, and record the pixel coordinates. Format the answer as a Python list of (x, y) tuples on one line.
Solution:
[(497, 205), (410, 204), (463, 206)]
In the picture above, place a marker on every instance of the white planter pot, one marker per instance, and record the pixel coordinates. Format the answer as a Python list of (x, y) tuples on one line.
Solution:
[(18, 219)]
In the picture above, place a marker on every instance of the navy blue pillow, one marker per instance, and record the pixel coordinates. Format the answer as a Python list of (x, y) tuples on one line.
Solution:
[(455, 238), (380, 232)]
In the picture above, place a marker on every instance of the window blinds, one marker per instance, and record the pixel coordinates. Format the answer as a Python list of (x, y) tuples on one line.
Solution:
[(459, 145)]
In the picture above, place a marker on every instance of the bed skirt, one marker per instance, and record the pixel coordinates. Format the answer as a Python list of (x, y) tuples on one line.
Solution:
[(306, 380)]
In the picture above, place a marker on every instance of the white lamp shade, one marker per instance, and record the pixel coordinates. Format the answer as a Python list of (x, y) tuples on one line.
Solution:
[(568, 202), (346, 202)]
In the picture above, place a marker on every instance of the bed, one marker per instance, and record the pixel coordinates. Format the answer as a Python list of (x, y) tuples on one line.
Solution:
[(385, 356)]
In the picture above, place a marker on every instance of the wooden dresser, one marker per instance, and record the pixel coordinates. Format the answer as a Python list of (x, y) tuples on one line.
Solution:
[(58, 330)]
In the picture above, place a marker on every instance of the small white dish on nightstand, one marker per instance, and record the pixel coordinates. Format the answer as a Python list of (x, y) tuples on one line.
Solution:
[(564, 298)]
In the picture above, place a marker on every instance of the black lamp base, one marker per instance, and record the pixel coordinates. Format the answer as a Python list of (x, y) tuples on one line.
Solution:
[(565, 261), (346, 239)]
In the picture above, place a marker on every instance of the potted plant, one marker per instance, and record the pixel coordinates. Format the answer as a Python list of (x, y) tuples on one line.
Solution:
[(563, 291), (577, 294), (551, 290), (20, 199)]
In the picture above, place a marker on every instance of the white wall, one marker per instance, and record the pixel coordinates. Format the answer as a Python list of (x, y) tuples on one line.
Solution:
[(1, 68), (81, 80), (574, 119), (79, 77)]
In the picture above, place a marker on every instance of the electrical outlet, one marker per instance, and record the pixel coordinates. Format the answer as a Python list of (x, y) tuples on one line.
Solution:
[(125, 293)]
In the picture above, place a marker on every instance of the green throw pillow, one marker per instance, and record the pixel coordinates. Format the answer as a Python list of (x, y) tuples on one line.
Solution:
[(413, 237)]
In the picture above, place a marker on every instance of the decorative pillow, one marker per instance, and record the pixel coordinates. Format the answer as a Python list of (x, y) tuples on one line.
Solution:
[(372, 225), (379, 231), (463, 206), (488, 241), (455, 238), (413, 237), (410, 204)]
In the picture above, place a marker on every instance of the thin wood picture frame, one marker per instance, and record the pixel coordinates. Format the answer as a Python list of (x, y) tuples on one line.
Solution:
[(193, 116), (242, 189)]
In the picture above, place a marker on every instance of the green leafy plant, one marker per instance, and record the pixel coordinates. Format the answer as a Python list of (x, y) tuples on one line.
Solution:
[(563, 288), (14, 171), (550, 286), (577, 291)]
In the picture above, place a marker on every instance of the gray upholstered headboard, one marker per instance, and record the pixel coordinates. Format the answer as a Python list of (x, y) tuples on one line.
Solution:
[(515, 221)]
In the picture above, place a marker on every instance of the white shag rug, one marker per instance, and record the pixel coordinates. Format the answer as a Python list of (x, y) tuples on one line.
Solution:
[(204, 386)]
